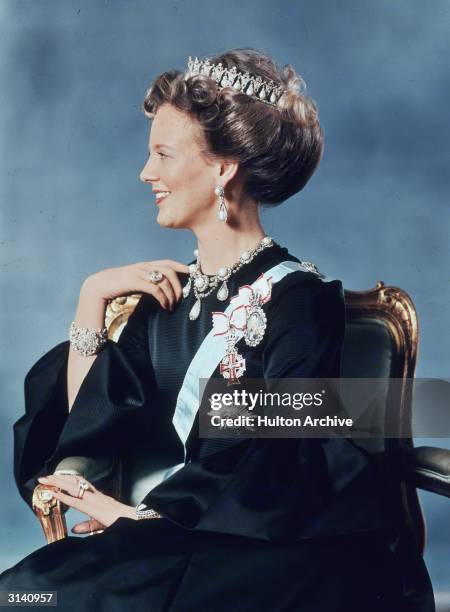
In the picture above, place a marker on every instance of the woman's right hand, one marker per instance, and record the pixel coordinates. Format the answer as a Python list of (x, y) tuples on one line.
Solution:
[(112, 282)]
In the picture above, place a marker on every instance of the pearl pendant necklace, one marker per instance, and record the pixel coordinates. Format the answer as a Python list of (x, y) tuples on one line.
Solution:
[(203, 284)]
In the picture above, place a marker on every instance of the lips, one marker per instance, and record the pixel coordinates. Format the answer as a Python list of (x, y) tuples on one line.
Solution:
[(160, 199)]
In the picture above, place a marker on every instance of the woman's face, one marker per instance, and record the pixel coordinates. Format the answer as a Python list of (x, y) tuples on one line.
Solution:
[(175, 164)]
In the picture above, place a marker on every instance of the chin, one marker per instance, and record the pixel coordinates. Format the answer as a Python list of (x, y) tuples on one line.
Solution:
[(166, 221)]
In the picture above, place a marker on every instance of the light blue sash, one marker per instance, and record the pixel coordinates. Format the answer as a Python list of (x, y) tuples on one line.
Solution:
[(207, 358)]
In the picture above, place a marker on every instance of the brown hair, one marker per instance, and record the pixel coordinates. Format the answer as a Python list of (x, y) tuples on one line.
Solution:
[(278, 149)]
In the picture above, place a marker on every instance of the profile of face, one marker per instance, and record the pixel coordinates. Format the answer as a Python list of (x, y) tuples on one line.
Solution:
[(176, 165)]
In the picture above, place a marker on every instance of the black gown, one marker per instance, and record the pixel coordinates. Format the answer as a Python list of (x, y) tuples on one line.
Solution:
[(248, 524)]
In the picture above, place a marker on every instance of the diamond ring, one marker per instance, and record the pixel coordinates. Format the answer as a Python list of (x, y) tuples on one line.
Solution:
[(83, 486), (155, 276)]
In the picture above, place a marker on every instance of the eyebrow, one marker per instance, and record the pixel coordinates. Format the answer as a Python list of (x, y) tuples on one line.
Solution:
[(164, 146)]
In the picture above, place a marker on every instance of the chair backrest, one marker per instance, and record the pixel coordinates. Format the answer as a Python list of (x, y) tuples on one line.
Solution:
[(381, 338), (381, 342)]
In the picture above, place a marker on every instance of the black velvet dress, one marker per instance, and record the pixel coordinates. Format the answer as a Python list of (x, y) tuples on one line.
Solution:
[(248, 524)]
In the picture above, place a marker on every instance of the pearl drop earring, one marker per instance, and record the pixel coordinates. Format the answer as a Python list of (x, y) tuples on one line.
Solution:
[(223, 213)]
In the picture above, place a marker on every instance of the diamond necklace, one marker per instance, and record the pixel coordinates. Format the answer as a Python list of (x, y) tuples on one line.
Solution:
[(204, 285)]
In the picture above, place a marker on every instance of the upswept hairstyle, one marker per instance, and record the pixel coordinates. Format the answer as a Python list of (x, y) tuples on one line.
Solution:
[(278, 149)]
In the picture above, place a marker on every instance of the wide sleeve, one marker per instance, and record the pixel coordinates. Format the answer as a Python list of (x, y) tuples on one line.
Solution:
[(116, 390), (284, 489)]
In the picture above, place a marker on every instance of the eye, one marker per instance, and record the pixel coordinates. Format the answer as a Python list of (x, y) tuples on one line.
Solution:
[(160, 153)]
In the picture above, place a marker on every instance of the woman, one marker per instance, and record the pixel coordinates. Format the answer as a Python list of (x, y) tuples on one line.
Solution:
[(242, 523)]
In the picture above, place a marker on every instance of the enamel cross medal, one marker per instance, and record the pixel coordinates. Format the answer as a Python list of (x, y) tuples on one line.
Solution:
[(232, 365), (247, 319)]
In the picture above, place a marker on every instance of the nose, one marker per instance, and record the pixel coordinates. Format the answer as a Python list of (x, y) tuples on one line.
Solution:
[(147, 174)]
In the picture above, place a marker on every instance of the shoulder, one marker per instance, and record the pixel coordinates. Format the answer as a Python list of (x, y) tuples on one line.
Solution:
[(291, 276), (303, 297), (295, 277)]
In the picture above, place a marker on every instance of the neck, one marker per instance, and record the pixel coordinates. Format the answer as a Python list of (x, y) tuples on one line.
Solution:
[(221, 244)]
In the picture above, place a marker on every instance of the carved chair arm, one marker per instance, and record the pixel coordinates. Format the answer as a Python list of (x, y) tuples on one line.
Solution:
[(105, 474), (49, 512)]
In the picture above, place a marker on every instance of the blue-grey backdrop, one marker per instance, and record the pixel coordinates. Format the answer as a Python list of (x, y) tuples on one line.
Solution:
[(73, 140)]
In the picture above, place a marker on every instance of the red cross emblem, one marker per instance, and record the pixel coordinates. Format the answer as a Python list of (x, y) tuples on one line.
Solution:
[(232, 367)]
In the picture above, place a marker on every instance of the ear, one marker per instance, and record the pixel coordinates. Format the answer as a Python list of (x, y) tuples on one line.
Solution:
[(228, 170)]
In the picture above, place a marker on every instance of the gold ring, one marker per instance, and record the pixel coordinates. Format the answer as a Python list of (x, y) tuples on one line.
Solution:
[(91, 533)]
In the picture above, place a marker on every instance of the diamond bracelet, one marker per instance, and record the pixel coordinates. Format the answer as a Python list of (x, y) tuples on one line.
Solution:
[(149, 513), (87, 341)]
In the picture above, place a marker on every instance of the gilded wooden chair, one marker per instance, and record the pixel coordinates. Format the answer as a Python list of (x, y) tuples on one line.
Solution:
[(381, 342)]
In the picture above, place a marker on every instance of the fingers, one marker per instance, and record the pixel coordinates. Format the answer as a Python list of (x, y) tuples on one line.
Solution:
[(88, 526), (160, 291), (176, 265), (68, 483), (84, 527), (69, 500), (100, 507), (169, 290), (166, 286), (166, 263), (90, 503), (172, 277)]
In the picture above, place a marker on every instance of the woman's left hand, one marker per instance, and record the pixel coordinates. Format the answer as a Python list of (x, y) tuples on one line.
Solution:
[(100, 507)]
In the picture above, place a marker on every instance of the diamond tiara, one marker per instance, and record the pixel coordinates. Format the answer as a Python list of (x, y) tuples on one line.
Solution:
[(255, 87)]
